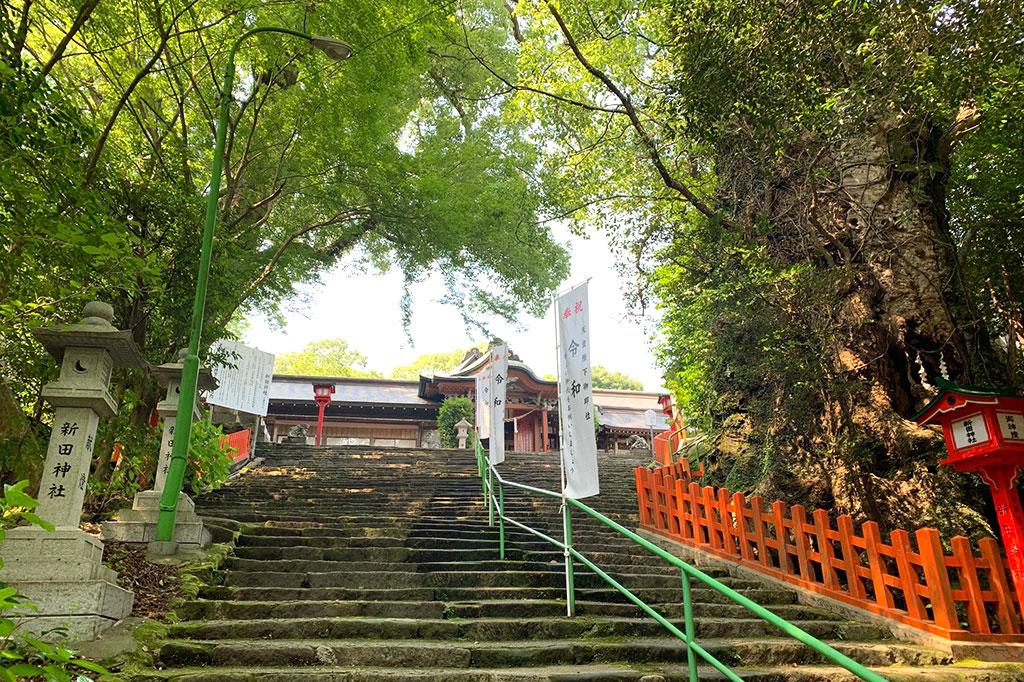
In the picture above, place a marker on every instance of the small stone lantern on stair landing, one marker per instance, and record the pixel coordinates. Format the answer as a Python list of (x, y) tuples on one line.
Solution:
[(463, 428), (984, 432), (138, 524)]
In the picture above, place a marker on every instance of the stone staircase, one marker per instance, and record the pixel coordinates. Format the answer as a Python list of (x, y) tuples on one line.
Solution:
[(369, 566)]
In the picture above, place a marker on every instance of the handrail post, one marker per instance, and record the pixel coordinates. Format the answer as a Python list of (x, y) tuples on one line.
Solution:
[(490, 497), (570, 581), (501, 521), (688, 628)]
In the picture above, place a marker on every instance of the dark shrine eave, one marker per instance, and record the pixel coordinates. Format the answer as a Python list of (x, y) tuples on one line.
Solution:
[(946, 387), (468, 376)]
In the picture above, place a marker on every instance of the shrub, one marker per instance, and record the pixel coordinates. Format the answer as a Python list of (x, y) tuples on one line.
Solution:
[(452, 410), (209, 465)]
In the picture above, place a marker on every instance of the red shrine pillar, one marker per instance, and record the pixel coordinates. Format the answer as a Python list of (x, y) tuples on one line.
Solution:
[(544, 429), (1002, 481)]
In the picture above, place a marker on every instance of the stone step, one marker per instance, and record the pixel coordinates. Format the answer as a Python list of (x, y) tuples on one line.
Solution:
[(540, 576), (494, 629), (575, 673), (521, 608), (537, 653), (765, 596)]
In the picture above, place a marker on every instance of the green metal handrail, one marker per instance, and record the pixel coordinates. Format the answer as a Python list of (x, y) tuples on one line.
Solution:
[(489, 475)]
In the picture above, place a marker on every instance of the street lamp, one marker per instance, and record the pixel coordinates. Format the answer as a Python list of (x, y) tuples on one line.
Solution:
[(322, 395), (336, 50)]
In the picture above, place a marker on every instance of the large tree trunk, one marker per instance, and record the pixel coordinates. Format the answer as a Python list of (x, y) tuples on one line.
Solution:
[(872, 210)]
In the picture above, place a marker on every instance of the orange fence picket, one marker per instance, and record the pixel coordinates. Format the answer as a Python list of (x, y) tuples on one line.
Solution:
[(961, 594)]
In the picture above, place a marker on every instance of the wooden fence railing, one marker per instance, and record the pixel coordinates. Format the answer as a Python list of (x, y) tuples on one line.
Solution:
[(958, 594), (237, 444), (667, 443)]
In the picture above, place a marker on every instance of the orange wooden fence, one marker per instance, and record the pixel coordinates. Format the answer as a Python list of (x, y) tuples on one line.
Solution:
[(237, 444), (958, 594), (667, 444)]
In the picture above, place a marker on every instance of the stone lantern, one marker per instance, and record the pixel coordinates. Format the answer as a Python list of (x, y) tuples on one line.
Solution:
[(463, 428), (138, 524), (984, 433), (322, 395), (61, 572)]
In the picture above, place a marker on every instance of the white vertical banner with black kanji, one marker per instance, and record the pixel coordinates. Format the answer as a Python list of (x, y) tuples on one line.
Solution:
[(499, 382), (483, 401), (575, 396)]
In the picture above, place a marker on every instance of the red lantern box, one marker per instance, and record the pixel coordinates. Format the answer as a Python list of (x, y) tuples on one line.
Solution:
[(984, 431)]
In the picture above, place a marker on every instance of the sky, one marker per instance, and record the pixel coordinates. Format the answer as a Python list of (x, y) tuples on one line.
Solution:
[(364, 309)]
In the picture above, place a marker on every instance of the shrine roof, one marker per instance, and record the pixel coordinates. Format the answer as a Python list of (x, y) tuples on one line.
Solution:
[(349, 390), (630, 419), (946, 388)]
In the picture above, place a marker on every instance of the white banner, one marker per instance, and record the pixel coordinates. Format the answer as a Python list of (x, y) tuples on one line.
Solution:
[(483, 402), (246, 386), (499, 382), (575, 396)]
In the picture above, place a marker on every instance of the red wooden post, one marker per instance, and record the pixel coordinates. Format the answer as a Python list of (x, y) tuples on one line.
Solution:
[(825, 554), (970, 585), (699, 516), (851, 556), (1002, 481), (778, 514), (799, 517), (876, 563), (758, 522), (1006, 611), (937, 579), (727, 527), (908, 574), (641, 496), (739, 505)]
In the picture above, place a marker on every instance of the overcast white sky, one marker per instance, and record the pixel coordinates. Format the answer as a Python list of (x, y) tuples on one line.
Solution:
[(364, 309)]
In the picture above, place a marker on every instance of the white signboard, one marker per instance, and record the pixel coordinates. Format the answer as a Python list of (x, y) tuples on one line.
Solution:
[(650, 418), (970, 432), (1012, 425), (575, 399), (483, 402), (499, 382), (246, 386)]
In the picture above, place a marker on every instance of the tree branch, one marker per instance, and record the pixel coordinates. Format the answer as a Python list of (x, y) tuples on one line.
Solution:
[(340, 244), (630, 110), (84, 12)]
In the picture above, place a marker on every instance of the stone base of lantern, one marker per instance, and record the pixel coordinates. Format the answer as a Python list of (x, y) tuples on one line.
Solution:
[(138, 524), (62, 573)]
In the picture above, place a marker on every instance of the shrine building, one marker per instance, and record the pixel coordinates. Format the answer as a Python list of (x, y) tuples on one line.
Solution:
[(387, 412)]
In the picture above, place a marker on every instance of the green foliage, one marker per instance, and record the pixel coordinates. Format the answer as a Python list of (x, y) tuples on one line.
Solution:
[(16, 506), (452, 411), (432, 362), (209, 465), (324, 358), (23, 655), (106, 112), (602, 377)]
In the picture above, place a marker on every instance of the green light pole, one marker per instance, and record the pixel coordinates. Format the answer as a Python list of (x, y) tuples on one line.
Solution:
[(336, 50)]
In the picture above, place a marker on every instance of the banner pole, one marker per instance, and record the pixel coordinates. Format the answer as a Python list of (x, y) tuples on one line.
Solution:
[(570, 588)]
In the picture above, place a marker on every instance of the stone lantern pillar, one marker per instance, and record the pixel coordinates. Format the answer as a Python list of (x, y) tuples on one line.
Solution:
[(463, 427), (61, 572), (138, 524)]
